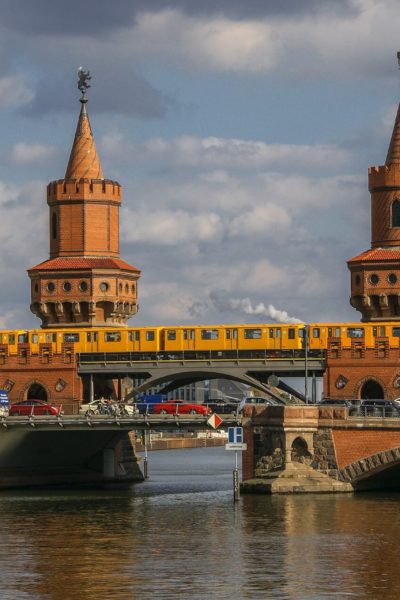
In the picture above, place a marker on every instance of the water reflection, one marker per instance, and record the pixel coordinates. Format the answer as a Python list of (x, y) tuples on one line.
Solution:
[(181, 536)]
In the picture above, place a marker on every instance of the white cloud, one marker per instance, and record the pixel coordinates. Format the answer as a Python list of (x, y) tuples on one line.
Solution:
[(223, 153), (14, 92), (25, 153), (169, 228)]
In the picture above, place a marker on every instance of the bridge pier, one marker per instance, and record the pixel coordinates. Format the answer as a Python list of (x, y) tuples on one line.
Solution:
[(297, 449)]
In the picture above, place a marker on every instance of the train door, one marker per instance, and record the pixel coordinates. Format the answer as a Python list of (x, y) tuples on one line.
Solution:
[(188, 339), (274, 338), (231, 339), (92, 341)]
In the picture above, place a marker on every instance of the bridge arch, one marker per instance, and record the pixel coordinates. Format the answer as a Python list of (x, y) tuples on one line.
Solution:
[(371, 388), (35, 390), (179, 379), (378, 471)]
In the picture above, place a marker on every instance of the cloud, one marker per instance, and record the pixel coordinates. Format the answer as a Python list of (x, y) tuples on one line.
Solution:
[(220, 153), (14, 92), (25, 153)]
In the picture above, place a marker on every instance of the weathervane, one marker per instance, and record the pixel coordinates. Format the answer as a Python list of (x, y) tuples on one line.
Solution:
[(83, 85)]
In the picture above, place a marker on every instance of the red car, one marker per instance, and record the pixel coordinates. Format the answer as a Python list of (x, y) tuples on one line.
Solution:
[(33, 407), (178, 407)]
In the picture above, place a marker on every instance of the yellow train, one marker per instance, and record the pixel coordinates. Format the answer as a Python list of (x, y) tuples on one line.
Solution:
[(253, 340)]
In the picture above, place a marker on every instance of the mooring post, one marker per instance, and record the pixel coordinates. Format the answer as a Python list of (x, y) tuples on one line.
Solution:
[(236, 488), (145, 460)]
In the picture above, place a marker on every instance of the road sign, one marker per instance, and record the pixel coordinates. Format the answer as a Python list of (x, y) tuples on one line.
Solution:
[(235, 439), (215, 421), (235, 435), (236, 447)]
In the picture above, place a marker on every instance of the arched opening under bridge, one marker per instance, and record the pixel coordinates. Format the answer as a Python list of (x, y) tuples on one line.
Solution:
[(371, 389), (36, 392)]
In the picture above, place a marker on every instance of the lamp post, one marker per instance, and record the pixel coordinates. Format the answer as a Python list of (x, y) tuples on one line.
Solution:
[(306, 331)]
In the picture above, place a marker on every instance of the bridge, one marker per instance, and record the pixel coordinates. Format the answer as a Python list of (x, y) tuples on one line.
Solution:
[(78, 449), (179, 372), (319, 449)]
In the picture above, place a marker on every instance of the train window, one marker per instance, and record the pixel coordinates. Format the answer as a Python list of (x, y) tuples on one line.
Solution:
[(228, 334), (378, 331), (278, 332), (396, 331), (51, 337), (333, 331), (22, 338), (171, 334), (134, 336), (355, 332), (91, 336), (11, 338), (291, 333), (71, 337), (112, 336), (271, 332), (209, 334), (235, 334), (150, 336), (35, 338), (316, 332), (252, 334)]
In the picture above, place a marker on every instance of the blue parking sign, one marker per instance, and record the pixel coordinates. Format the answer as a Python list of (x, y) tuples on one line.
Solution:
[(235, 435)]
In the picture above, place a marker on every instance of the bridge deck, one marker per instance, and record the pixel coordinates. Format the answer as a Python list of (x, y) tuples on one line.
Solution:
[(159, 422)]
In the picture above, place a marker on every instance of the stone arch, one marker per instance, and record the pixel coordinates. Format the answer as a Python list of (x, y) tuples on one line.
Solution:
[(371, 388), (35, 390), (360, 471), (299, 450)]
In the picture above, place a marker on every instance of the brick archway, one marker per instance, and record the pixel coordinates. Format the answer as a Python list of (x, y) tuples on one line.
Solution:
[(371, 387), (365, 468)]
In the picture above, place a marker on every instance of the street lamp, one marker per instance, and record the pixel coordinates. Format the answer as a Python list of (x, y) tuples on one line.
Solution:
[(306, 331)]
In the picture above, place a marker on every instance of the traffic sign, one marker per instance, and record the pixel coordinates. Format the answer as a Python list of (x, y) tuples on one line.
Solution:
[(214, 421), (235, 435), (235, 439)]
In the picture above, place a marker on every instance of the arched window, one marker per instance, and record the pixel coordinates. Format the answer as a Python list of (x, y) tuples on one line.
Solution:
[(54, 226), (396, 213)]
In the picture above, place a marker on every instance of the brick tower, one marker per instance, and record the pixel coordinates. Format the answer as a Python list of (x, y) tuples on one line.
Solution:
[(84, 282), (375, 274)]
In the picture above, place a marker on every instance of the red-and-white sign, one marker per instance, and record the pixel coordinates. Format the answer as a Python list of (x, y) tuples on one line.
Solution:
[(215, 421)]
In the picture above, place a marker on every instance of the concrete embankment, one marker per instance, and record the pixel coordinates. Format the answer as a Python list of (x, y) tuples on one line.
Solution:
[(169, 441)]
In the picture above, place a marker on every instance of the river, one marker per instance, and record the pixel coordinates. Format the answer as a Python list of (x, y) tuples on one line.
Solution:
[(180, 535)]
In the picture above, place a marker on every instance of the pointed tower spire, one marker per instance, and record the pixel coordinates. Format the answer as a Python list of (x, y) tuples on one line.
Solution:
[(83, 162), (393, 155)]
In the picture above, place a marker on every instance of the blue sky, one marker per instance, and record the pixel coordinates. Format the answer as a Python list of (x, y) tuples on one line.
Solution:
[(241, 133)]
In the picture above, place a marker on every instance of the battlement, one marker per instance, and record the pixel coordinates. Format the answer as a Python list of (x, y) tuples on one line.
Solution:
[(73, 189), (383, 176)]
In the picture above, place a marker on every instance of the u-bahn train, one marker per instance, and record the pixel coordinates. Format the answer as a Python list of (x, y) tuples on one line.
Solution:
[(253, 340)]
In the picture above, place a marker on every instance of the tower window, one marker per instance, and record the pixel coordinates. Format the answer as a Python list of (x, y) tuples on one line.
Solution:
[(54, 226), (396, 213), (374, 279), (104, 286), (67, 286), (83, 286), (392, 278), (51, 287)]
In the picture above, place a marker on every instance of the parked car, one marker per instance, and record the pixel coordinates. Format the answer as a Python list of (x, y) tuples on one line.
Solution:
[(221, 407), (103, 406), (33, 407), (171, 407), (380, 408), (332, 402), (256, 401)]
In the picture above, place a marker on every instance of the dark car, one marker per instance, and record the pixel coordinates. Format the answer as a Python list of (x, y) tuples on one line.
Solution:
[(331, 402), (221, 407), (380, 408), (33, 407)]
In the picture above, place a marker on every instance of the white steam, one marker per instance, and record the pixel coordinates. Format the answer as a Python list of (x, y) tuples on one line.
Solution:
[(245, 306)]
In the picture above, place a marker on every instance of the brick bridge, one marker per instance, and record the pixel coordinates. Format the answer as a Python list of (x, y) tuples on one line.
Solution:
[(318, 449)]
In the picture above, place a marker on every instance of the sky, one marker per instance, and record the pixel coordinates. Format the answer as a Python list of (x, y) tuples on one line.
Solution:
[(241, 133)]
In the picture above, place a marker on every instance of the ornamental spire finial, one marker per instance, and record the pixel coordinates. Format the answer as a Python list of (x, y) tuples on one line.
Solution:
[(83, 85)]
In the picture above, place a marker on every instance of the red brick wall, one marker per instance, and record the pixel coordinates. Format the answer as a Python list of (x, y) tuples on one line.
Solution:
[(248, 455), (353, 444)]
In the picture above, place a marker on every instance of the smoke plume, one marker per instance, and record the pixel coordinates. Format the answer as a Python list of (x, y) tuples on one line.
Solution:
[(245, 306)]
